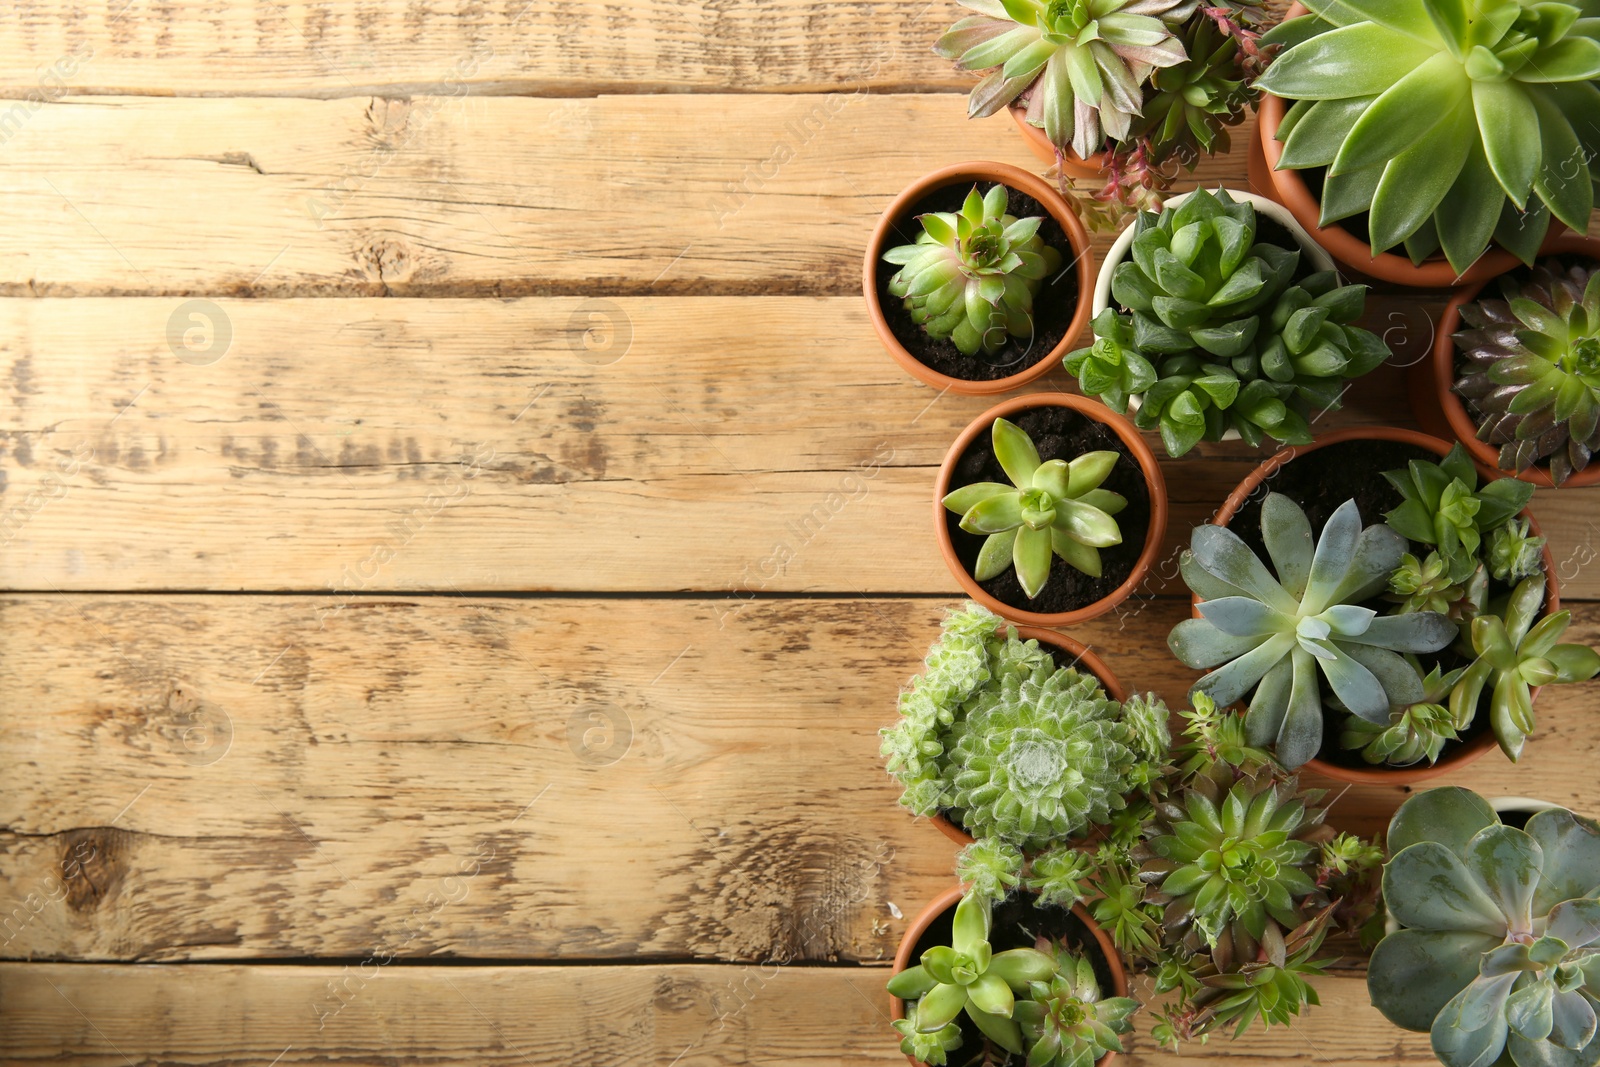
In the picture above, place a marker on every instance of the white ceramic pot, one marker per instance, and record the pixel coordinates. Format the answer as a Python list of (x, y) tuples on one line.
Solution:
[(1309, 248)]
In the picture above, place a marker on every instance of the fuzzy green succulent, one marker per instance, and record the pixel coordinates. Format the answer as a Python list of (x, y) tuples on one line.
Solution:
[(1498, 951), (1514, 654), (1065, 1019), (1215, 333), (1230, 855), (1416, 731), (1529, 368), (1040, 758), (1051, 508), (971, 275), (1078, 65), (1515, 552), (1443, 506), (991, 867), (1273, 634), (968, 975), (1444, 119)]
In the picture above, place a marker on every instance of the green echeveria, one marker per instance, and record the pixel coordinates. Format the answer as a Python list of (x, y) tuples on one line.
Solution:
[(1079, 64), (1273, 634), (1066, 1021), (1530, 368), (1052, 508), (1444, 119), (1443, 506), (1498, 951), (972, 275)]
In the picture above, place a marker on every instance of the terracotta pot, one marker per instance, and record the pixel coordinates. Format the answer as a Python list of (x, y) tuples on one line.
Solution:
[(948, 900), (1129, 436), (1430, 381), (1289, 189), (1460, 755), (1084, 656), (888, 233), (1072, 164)]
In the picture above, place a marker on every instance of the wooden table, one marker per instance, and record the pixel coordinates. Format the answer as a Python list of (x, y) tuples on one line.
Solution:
[(461, 536)]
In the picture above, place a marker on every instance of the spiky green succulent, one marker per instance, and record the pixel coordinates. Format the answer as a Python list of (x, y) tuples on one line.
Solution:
[(1079, 65), (1065, 1019), (1038, 759), (1498, 951), (1515, 653), (1515, 552), (1273, 634), (1444, 119), (972, 274), (1051, 508), (1529, 368), (1414, 732), (1215, 334), (968, 975), (1443, 506), (990, 867), (1189, 107)]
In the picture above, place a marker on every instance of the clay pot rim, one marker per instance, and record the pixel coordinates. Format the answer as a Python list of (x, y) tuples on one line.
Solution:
[(1444, 365), (1071, 163), (1435, 273), (1083, 655), (1013, 178), (947, 900), (1154, 482), (1462, 754)]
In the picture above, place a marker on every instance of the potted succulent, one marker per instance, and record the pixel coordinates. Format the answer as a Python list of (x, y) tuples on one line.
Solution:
[(990, 694), (1457, 131), (976, 278), (1422, 625), (1121, 92), (1041, 984), (1517, 373), (1496, 953), (1218, 318), (1219, 878), (1049, 509)]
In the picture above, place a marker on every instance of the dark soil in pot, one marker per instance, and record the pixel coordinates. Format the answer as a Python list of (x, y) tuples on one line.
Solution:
[(1017, 922), (1053, 306), (1319, 482), (1059, 433)]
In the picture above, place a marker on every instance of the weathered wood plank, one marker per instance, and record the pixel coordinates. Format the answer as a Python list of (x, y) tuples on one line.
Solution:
[(696, 1016), (376, 445), (439, 196), (247, 777)]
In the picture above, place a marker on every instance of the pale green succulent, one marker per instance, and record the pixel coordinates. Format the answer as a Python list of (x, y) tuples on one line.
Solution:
[(1415, 731), (971, 275), (1052, 508), (990, 867), (933, 1049), (1498, 951), (1426, 585), (1514, 552), (1273, 634), (1065, 1019)]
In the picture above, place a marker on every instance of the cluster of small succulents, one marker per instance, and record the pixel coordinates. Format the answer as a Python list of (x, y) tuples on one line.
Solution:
[(1529, 368), (1269, 632), (1213, 331), (971, 275), (1051, 508)]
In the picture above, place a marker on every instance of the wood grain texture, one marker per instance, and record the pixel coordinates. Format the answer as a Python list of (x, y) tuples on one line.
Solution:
[(694, 1016), (457, 196), (250, 777), (743, 445)]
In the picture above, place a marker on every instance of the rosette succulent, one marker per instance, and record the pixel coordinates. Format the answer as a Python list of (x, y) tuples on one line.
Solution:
[(1451, 123), (1415, 732), (1053, 508), (971, 275), (1189, 107), (1065, 1019), (1498, 951), (1515, 552), (1080, 65), (1529, 368), (1443, 506), (1515, 654), (1425, 585), (1274, 633), (968, 975)]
